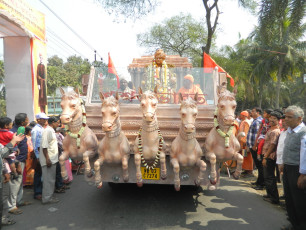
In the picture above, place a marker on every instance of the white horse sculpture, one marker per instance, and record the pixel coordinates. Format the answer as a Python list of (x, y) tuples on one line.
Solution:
[(149, 143), (221, 144), (185, 149), (114, 147), (80, 143)]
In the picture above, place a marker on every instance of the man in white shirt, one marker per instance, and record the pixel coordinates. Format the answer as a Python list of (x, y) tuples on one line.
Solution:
[(48, 157)]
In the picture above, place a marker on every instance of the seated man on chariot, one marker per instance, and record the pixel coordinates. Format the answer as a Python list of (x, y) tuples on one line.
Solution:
[(190, 89), (125, 92)]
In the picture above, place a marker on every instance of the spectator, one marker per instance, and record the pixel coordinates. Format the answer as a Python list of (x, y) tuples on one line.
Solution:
[(4, 152), (269, 158), (59, 184), (28, 176), (36, 139), (256, 114), (247, 164), (14, 201), (294, 174), (48, 157)]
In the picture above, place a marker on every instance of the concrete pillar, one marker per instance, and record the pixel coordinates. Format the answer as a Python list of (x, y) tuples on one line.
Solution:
[(18, 76)]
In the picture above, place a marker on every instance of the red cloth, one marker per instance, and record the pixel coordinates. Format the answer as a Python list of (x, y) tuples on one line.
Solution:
[(208, 62), (111, 69), (260, 145), (5, 136)]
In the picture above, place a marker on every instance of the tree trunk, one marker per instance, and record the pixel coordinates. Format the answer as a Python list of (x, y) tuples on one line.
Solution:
[(279, 77), (260, 93)]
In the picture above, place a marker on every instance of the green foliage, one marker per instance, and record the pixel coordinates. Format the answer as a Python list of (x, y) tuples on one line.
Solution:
[(134, 9), (180, 34), (66, 74)]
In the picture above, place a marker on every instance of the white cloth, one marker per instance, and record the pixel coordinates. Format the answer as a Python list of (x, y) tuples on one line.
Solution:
[(48, 176), (280, 148), (48, 141)]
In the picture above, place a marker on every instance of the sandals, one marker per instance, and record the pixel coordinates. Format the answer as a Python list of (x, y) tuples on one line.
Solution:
[(15, 211), (7, 221), (59, 190), (25, 203)]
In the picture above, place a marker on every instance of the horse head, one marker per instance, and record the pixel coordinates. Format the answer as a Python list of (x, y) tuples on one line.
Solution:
[(71, 105), (110, 111), (226, 104), (148, 103), (189, 112)]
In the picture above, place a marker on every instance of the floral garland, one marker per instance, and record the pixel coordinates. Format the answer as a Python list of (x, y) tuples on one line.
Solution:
[(78, 135), (221, 133), (161, 142)]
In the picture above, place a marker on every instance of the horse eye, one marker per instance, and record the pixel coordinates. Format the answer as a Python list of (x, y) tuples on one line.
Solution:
[(114, 114), (195, 114), (234, 107), (142, 104), (183, 114), (222, 106), (154, 104), (73, 106)]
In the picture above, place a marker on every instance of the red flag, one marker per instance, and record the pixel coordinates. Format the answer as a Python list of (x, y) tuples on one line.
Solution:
[(111, 69), (208, 62)]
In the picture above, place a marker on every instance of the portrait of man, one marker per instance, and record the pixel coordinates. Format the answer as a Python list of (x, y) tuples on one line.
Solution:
[(42, 86)]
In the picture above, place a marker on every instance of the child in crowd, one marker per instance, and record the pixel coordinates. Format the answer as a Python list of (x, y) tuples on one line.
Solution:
[(5, 137)]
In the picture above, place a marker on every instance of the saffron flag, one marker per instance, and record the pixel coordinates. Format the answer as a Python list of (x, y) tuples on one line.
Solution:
[(111, 69), (208, 62)]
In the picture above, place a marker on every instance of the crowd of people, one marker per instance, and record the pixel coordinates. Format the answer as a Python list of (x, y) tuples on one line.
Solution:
[(30, 157), (274, 142)]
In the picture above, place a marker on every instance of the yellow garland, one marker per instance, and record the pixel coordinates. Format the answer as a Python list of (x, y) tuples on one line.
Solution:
[(220, 132)]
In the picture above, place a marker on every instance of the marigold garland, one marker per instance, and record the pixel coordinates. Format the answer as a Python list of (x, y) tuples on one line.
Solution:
[(220, 132), (160, 147), (78, 135)]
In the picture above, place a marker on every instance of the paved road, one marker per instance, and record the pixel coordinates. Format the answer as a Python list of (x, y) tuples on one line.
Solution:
[(234, 206)]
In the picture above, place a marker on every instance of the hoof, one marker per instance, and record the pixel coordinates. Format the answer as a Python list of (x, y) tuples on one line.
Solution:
[(211, 187), (177, 188), (213, 182), (99, 185), (126, 178), (66, 181), (235, 176), (139, 184), (197, 183)]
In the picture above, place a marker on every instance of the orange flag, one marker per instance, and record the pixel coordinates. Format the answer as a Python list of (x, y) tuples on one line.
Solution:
[(111, 69), (208, 62)]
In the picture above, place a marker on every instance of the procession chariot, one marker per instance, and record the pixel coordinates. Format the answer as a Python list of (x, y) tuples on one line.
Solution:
[(155, 130)]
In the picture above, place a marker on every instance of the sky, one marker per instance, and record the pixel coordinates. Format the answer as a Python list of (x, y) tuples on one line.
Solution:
[(103, 33)]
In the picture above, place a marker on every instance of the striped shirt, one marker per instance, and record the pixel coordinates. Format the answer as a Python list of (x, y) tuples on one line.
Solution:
[(253, 131)]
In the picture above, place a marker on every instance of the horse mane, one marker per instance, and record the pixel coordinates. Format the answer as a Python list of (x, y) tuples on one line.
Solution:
[(226, 95), (70, 95), (110, 101), (148, 94), (189, 102)]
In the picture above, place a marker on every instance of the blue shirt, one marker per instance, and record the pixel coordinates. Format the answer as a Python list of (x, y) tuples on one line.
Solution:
[(22, 146), (253, 131), (36, 138), (303, 147)]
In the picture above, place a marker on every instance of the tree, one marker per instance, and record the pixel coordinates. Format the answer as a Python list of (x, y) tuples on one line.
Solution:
[(66, 74), (133, 9), (281, 28), (180, 34)]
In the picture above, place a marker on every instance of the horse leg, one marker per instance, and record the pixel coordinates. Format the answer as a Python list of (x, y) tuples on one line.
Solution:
[(163, 165), (202, 165), (62, 159), (125, 167), (237, 156), (176, 170), (213, 174), (97, 165), (137, 159), (88, 171)]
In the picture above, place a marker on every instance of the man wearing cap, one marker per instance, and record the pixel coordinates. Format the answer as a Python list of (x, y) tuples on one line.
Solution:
[(36, 138), (189, 88)]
